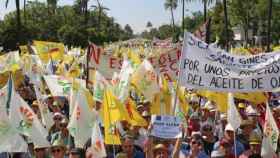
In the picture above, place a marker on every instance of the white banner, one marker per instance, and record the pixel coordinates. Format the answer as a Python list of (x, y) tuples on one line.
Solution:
[(206, 67), (107, 64), (167, 127)]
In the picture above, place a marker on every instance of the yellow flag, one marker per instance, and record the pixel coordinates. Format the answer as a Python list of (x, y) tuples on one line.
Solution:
[(254, 97), (49, 50), (183, 104), (218, 97), (112, 113), (134, 58), (167, 97), (155, 105), (135, 118)]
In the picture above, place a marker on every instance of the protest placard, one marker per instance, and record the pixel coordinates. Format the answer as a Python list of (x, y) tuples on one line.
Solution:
[(207, 67), (167, 127)]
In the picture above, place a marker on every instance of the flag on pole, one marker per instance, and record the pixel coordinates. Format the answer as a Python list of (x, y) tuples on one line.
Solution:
[(270, 135), (145, 79), (25, 120), (97, 142), (112, 113), (82, 119), (46, 115), (49, 50), (233, 118), (122, 88), (100, 83), (11, 141)]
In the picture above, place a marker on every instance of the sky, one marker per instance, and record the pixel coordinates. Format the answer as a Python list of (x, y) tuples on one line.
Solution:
[(136, 13)]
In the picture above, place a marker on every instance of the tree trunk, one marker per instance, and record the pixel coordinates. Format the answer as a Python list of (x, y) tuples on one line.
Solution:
[(24, 10), (226, 24), (269, 26), (18, 20), (86, 11), (183, 16), (205, 10), (172, 16)]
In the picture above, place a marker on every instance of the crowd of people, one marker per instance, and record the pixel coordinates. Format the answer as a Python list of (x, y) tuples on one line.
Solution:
[(206, 134)]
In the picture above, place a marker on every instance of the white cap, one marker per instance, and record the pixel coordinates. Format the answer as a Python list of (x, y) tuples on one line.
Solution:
[(209, 105), (251, 111), (217, 153), (194, 98), (229, 128), (57, 114), (223, 116)]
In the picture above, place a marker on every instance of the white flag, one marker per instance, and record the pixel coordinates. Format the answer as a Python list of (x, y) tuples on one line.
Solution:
[(82, 119), (46, 115), (11, 141), (121, 89), (99, 85), (145, 79), (61, 86), (25, 120), (234, 118), (270, 135), (97, 142)]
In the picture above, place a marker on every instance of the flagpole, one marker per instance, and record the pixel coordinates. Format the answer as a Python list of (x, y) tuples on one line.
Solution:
[(234, 141), (178, 78), (87, 66)]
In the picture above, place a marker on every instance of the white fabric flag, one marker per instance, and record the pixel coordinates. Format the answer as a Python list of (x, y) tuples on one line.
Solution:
[(46, 115), (121, 90), (82, 119), (61, 86), (99, 85), (97, 142), (25, 120), (234, 118), (11, 141), (270, 135), (145, 78)]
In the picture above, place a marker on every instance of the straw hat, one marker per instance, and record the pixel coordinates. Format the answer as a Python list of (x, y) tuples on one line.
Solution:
[(255, 139)]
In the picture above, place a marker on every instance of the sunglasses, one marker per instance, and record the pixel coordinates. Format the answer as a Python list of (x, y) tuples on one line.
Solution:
[(195, 142), (63, 125), (56, 150), (57, 118), (40, 149), (207, 129)]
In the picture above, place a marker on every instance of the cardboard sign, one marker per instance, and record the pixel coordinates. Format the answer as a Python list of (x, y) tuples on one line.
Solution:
[(167, 127), (206, 67)]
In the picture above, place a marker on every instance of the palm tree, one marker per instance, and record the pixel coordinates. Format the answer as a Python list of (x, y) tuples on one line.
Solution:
[(183, 15), (83, 8), (100, 10), (52, 5), (205, 4), (226, 24), (17, 17), (171, 5), (269, 25)]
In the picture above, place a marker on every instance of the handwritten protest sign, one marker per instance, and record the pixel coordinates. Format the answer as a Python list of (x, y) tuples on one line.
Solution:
[(206, 67), (166, 63), (167, 127)]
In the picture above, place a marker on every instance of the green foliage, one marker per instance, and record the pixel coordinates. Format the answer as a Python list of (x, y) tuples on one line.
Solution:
[(66, 25), (193, 22)]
